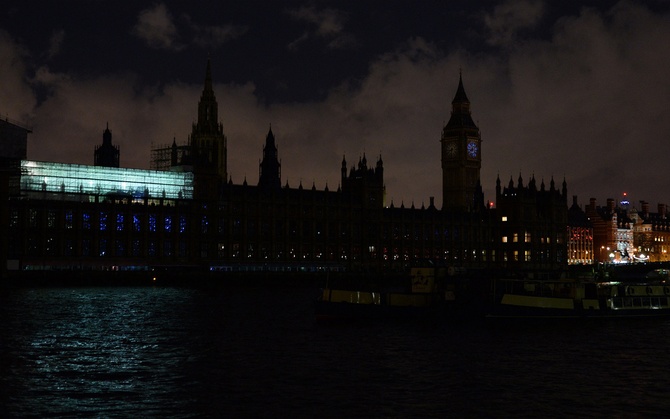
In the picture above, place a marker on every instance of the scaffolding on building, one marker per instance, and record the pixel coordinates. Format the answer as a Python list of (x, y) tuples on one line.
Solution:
[(166, 156)]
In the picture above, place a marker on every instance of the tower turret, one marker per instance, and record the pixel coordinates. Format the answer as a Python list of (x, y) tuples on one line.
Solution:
[(106, 154), (208, 144), (269, 171), (461, 155)]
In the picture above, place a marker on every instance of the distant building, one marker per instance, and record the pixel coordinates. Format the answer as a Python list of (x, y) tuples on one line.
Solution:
[(188, 212), (580, 236), (624, 234), (13, 140), (106, 154), (13, 148)]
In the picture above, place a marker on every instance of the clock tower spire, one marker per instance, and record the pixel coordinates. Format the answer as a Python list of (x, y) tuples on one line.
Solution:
[(461, 155)]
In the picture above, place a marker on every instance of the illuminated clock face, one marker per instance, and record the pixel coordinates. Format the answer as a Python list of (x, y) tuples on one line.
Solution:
[(472, 149), (451, 149)]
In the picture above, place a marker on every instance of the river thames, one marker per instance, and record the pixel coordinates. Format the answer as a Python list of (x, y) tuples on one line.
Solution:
[(258, 352)]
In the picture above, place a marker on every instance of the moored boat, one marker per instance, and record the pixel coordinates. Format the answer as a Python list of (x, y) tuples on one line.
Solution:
[(424, 293), (524, 298)]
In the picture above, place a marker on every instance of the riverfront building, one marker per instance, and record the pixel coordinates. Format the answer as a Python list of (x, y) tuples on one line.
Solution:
[(185, 212)]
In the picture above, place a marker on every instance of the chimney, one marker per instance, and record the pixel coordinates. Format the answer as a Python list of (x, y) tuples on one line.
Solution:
[(610, 205), (645, 207)]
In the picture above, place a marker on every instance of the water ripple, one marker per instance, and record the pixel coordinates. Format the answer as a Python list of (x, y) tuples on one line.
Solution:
[(257, 352)]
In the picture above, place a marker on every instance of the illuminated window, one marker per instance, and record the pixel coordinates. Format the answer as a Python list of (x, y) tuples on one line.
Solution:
[(516, 255), (69, 219), (120, 247), (32, 218), (51, 219), (137, 249), (137, 222), (504, 239), (86, 221), (515, 238), (152, 223), (32, 246), (152, 248), (167, 224), (204, 224), (103, 221), (14, 218), (167, 248), (98, 180), (182, 223), (527, 237), (504, 218), (119, 222), (526, 255)]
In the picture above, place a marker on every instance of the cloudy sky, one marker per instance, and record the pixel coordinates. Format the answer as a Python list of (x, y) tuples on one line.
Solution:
[(573, 89)]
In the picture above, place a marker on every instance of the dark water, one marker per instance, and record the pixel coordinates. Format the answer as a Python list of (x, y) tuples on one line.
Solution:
[(257, 352)]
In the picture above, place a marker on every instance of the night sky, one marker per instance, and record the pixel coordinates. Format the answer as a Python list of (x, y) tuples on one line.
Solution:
[(573, 89)]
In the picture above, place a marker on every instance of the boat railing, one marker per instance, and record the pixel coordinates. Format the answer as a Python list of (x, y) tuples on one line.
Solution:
[(643, 302)]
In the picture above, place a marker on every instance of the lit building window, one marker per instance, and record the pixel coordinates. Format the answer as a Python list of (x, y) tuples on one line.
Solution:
[(167, 224), (152, 223), (167, 248), (152, 248), (504, 218), (182, 223), (504, 239), (137, 222), (120, 248), (204, 224), (137, 249), (103, 221), (119, 222), (14, 218), (86, 221), (98, 180), (69, 219), (51, 219)]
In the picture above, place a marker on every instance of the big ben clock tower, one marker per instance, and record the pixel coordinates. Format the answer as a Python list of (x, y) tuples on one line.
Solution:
[(461, 155)]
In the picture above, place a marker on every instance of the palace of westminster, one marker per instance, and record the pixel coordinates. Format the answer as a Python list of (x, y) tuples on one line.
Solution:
[(185, 213)]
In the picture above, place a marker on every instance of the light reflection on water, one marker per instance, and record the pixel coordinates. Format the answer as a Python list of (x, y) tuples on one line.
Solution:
[(119, 352)]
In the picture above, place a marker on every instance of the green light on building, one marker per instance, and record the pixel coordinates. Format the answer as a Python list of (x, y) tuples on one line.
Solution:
[(66, 178)]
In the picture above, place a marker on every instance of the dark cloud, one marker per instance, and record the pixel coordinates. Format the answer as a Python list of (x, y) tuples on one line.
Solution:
[(510, 17), (55, 43), (155, 26), (327, 24), (586, 102)]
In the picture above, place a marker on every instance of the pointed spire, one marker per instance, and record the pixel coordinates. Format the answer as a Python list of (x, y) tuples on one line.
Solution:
[(208, 76), (460, 96)]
